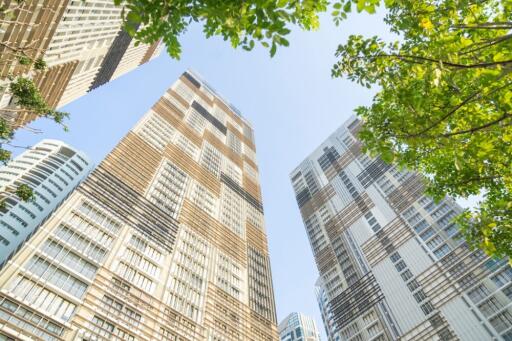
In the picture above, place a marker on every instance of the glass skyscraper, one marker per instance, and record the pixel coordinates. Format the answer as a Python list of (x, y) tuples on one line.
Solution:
[(391, 262), (165, 240), (298, 327)]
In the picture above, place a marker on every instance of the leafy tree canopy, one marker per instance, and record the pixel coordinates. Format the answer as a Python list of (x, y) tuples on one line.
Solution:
[(243, 23), (444, 105), (27, 98)]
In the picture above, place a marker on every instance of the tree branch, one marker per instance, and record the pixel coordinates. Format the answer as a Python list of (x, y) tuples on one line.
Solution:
[(488, 44), (487, 26), (478, 178), (468, 99), (421, 60), (468, 131)]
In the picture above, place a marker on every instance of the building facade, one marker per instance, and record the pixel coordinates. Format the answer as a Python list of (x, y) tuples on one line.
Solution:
[(165, 240), (52, 169), (298, 327), (391, 262), (326, 313), (82, 43)]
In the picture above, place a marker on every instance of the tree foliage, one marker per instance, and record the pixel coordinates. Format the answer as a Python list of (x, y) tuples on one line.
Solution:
[(444, 105), (22, 192), (243, 23), (26, 98)]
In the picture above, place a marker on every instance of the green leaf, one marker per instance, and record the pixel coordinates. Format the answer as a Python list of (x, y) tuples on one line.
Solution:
[(361, 5), (133, 17), (458, 164), (273, 50), (348, 7)]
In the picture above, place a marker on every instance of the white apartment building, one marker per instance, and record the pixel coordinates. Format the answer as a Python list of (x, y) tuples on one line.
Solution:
[(52, 169), (391, 261)]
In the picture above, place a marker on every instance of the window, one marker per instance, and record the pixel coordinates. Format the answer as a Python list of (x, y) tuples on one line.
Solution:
[(229, 276), (56, 276), (254, 217), (167, 335), (28, 314), (188, 276), (406, 275), (102, 327), (427, 234), (143, 246), (251, 172), (414, 219), (82, 244), (232, 210), (434, 242), (18, 219), (370, 317), (442, 250), (132, 275), (4, 241), (196, 121), (502, 321), (507, 336), (176, 103), (27, 211), (232, 171), (400, 265), (490, 306), (350, 331), (427, 308), (42, 298), (373, 329), (65, 256), (184, 91), (413, 285), (155, 130), (234, 143), (508, 292), (203, 198), (99, 217), (9, 227), (168, 188), (451, 230), (141, 263), (503, 277), (211, 159), (421, 226), (187, 146), (420, 296)]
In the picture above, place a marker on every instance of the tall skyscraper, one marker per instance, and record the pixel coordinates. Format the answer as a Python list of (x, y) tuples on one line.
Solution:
[(52, 169), (390, 260), (298, 327), (165, 240), (82, 43)]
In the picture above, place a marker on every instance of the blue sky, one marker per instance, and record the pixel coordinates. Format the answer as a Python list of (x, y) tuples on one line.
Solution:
[(291, 100)]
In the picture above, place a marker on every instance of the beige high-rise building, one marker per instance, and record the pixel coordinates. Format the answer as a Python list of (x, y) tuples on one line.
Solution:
[(165, 240), (82, 43)]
